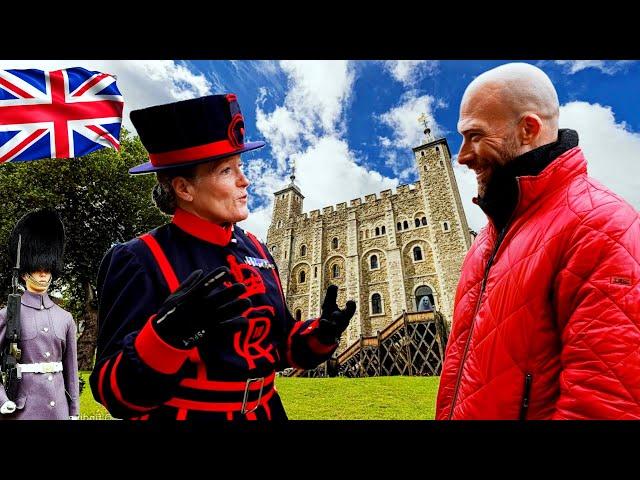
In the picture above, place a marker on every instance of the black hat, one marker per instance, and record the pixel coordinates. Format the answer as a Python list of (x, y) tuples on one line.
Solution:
[(191, 132), (42, 244)]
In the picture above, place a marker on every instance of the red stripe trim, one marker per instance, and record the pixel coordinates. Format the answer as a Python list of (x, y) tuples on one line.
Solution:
[(201, 228), (156, 353), (103, 370), (22, 144), (10, 86), (251, 416), (215, 385), (118, 394), (163, 263), (90, 84), (320, 348), (218, 406), (230, 416), (296, 327), (182, 414), (199, 152)]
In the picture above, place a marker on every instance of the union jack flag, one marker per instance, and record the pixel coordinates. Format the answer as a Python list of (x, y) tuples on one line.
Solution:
[(60, 114)]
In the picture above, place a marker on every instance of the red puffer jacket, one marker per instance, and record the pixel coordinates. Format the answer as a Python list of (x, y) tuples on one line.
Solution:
[(547, 319)]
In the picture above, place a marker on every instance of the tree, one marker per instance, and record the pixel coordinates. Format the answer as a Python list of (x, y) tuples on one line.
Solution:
[(100, 204)]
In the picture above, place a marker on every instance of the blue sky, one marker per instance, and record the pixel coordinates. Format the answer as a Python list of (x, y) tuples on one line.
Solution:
[(350, 125)]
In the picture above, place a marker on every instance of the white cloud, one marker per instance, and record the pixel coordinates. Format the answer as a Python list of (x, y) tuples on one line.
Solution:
[(611, 149), (410, 72), (309, 126), (142, 82), (407, 131), (468, 188), (608, 67)]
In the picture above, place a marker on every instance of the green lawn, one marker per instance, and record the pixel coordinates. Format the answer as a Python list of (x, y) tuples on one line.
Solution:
[(375, 398)]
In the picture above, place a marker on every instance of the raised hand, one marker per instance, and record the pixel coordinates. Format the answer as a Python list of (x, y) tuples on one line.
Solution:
[(333, 320), (199, 303)]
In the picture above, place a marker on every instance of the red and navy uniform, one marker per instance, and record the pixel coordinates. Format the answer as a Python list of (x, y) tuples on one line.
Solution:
[(138, 375)]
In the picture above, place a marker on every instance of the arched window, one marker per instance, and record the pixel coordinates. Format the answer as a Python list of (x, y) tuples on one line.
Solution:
[(445, 226), (274, 249), (376, 304), (298, 315), (374, 261), (334, 243), (303, 276), (366, 233), (335, 271), (303, 250), (422, 153), (424, 291), (377, 231), (417, 253), (315, 272), (417, 221), (399, 226), (424, 220), (405, 224), (383, 230)]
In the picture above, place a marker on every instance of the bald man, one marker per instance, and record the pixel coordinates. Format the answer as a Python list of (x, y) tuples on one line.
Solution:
[(547, 312)]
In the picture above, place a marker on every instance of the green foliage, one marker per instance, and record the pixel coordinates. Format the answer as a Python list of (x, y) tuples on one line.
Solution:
[(99, 203)]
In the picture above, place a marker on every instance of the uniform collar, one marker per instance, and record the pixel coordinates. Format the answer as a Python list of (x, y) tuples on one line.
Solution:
[(35, 300), (202, 229)]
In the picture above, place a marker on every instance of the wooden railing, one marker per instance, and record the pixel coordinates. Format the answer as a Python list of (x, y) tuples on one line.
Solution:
[(413, 344)]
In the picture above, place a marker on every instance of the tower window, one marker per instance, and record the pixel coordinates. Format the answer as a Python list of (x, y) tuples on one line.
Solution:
[(399, 226), (417, 220), (376, 304), (366, 233), (405, 225), (303, 251), (334, 243), (298, 315), (437, 148), (335, 271), (422, 153), (303, 276), (445, 226), (377, 231), (417, 254), (424, 220), (315, 272), (383, 230), (425, 168), (274, 249), (441, 163), (374, 262)]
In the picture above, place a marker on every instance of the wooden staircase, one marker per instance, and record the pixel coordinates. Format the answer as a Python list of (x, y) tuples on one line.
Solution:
[(414, 344)]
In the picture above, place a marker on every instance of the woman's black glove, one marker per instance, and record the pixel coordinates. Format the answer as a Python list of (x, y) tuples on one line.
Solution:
[(199, 303), (333, 320)]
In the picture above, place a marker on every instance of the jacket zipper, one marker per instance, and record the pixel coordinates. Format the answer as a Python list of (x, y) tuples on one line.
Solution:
[(524, 407), (482, 287)]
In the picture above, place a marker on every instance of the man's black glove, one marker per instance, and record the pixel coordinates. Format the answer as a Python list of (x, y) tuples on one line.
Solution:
[(199, 303), (333, 320)]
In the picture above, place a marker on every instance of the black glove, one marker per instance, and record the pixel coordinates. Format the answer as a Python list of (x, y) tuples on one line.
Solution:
[(334, 321), (200, 302)]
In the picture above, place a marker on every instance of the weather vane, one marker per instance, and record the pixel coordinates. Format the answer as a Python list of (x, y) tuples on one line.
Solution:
[(423, 119), (293, 170)]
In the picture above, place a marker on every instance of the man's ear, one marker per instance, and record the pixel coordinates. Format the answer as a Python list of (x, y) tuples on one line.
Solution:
[(529, 128), (183, 188)]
